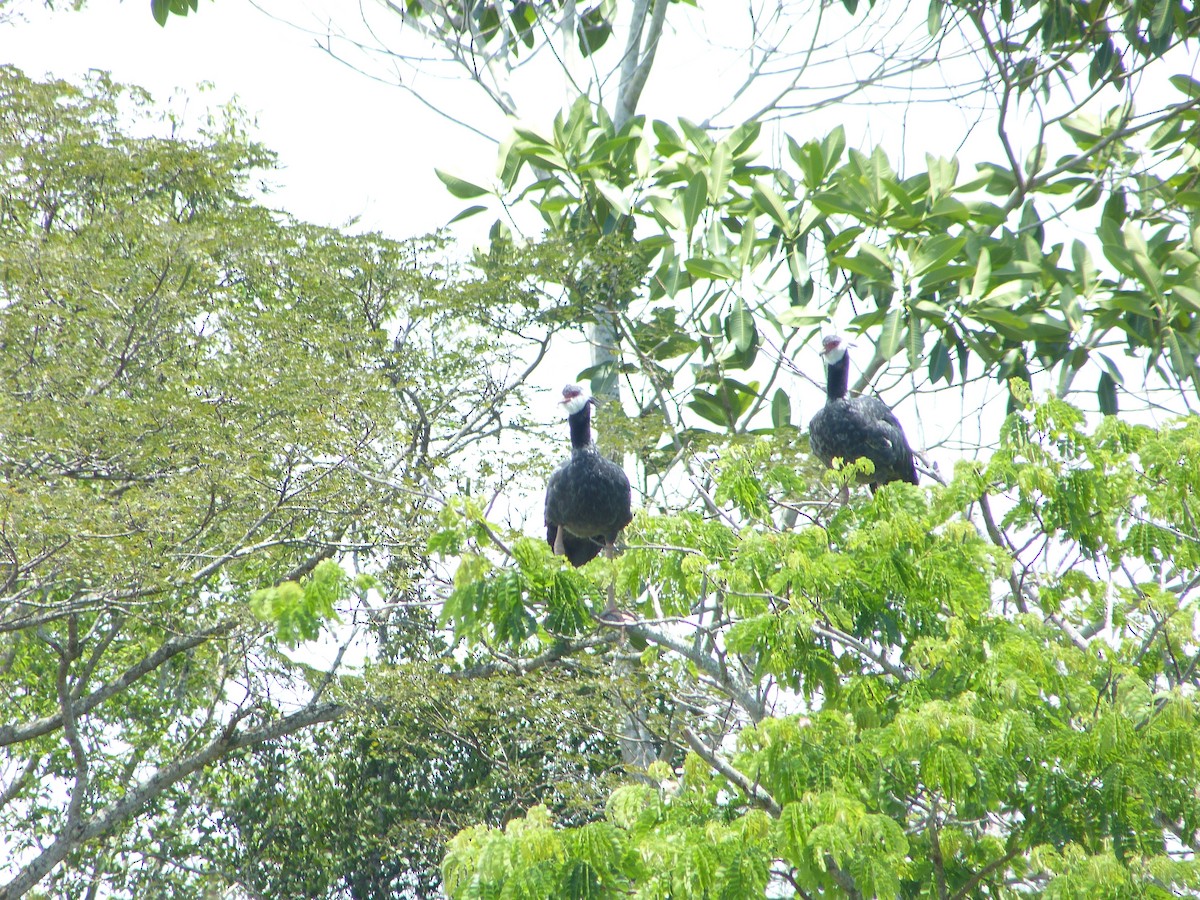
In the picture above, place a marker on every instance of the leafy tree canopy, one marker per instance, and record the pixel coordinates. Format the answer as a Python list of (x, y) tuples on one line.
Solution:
[(981, 688), (223, 430), (987, 689)]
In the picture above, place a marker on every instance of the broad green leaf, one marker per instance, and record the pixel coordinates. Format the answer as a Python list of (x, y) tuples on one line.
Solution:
[(700, 138), (460, 187), (739, 326), (1139, 255), (943, 173), (668, 214), (914, 342), (614, 195), (708, 407), (1106, 393), (467, 213), (747, 242), (936, 251), (1187, 84), (1183, 362), (719, 171), (841, 202), (709, 267), (797, 317), (939, 363), (797, 263), (889, 338), (742, 138), (669, 141), (693, 200), (1161, 20), (1111, 369), (767, 200), (983, 274), (781, 409), (1188, 294), (934, 18)]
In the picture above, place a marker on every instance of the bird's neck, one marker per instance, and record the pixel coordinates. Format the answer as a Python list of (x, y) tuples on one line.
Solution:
[(581, 428), (838, 379)]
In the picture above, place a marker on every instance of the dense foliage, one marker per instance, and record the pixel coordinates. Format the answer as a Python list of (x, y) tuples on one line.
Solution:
[(985, 689), (223, 429)]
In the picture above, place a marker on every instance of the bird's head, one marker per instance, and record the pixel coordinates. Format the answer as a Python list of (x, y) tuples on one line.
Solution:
[(833, 348), (575, 398)]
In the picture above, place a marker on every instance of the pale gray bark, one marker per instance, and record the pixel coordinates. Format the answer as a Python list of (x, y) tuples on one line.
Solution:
[(78, 830)]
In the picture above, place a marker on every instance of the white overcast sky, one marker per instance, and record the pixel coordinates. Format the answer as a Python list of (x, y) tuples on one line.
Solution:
[(351, 146)]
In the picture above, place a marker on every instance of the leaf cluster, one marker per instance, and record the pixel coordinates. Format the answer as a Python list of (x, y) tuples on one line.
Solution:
[(954, 717)]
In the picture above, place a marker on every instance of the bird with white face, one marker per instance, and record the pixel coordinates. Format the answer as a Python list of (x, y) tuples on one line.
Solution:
[(588, 498), (853, 428)]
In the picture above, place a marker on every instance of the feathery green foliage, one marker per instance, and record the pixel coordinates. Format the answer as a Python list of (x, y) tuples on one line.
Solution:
[(963, 702)]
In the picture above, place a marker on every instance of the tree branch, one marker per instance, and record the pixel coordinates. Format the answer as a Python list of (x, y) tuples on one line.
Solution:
[(108, 818), (758, 795), (639, 57), (13, 734)]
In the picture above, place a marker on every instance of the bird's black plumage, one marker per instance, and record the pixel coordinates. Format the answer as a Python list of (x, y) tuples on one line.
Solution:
[(588, 499), (856, 427)]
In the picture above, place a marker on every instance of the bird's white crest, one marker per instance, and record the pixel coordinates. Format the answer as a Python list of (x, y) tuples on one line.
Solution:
[(833, 348), (575, 398)]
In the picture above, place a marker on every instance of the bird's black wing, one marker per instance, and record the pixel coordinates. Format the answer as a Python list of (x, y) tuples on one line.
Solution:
[(884, 435), (588, 500)]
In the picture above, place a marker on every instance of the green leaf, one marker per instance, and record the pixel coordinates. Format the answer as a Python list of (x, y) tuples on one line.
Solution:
[(889, 339), (459, 187), (936, 251), (934, 18), (739, 326), (592, 33), (699, 137), (1182, 361), (467, 213), (613, 195), (693, 200), (781, 409), (798, 317), (914, 342), (705, 405), (666, 212), (772, 204), (719, 171), (1187, 84), (1139, 255), (669, 141), (939, 363), (983, 274), (708, 267), (1161, 20), (1106, 393), (837, 201), (1189, 295)]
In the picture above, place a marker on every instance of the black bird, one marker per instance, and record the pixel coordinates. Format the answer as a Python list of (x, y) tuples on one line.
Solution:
[(588, 496), (856, 427)]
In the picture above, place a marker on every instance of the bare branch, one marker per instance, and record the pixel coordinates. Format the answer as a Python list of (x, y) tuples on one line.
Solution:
[(111, 816), (758, 795)]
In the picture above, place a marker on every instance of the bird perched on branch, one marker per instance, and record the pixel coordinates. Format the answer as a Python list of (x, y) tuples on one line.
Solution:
[(588, 496), (855, 428)]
